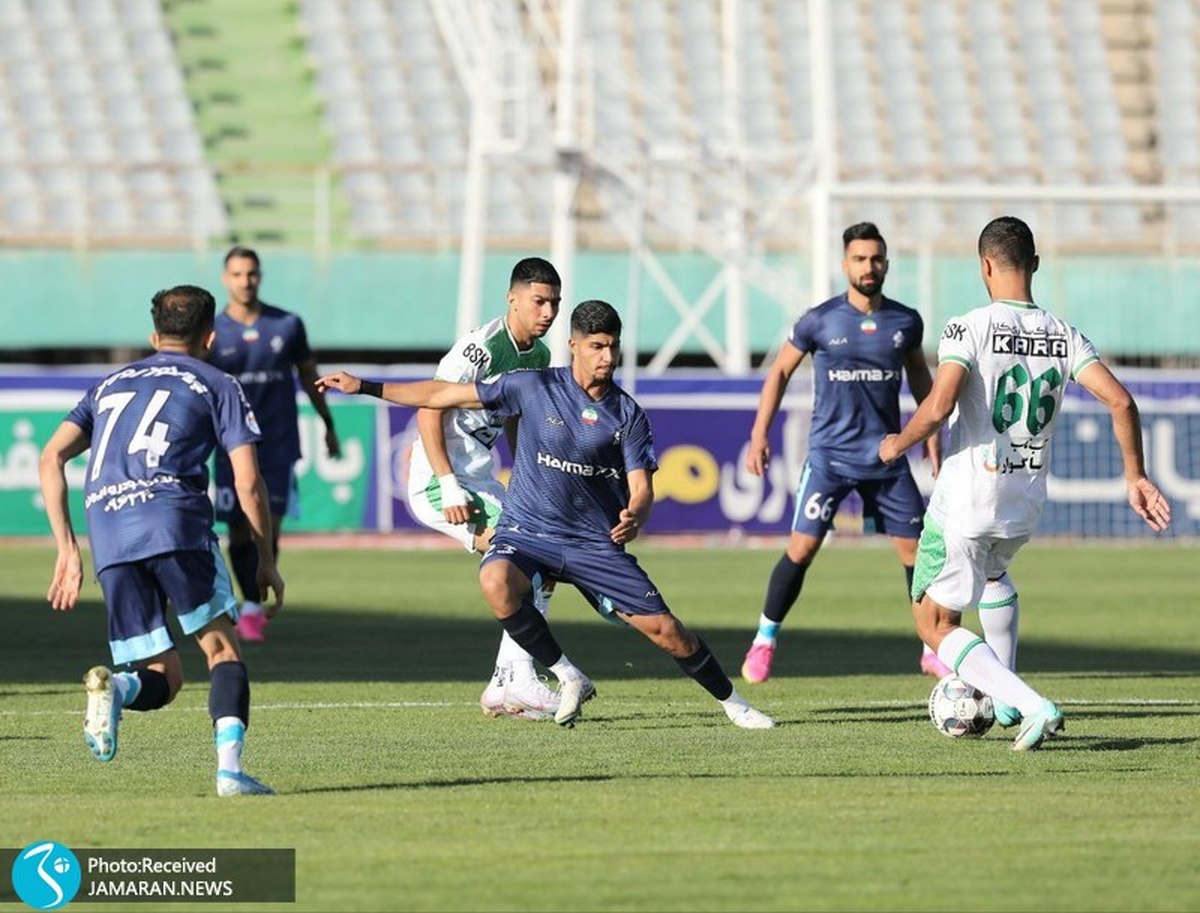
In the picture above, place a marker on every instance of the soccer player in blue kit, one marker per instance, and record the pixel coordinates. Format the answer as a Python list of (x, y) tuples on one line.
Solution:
[(151, 427), (581, 488), (860, 341), (260, 345)]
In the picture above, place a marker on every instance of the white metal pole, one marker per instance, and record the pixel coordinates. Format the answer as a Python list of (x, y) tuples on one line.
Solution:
[(470, 265), (566, 175), (633, 297), (820, 48), (737, 346)]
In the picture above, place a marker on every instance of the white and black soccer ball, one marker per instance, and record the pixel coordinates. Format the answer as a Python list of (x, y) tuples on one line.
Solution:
[(958, 710)]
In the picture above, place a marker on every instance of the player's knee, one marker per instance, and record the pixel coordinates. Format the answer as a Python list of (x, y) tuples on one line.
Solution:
[(499, 592), (803, 549)]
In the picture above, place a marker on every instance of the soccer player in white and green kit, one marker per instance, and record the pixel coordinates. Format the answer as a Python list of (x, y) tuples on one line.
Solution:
[(1001, 373), (452, 486)]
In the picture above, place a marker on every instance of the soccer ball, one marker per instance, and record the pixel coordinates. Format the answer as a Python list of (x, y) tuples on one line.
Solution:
[(959, 710), (62, 865)]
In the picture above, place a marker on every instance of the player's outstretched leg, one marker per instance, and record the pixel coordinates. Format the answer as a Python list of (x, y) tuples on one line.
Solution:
[(699, 664), (103, 715), (977, 665)]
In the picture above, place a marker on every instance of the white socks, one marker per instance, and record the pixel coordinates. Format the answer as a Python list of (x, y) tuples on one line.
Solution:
[(976, 664), (767, 631), (734, 704), (999, 617), (565, 669), (251, 608), (231, 736)]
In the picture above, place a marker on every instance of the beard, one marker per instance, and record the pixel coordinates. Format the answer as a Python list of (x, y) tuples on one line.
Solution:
[(868, 286)]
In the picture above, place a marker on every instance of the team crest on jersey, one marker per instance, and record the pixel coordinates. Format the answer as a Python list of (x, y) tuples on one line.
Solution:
[(868, 326), (252, 422), (898, 339), (250, 334), (589, 415), (276, 344)]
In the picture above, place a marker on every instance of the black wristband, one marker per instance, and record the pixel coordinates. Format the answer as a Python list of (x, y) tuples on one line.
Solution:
[(371, 388)]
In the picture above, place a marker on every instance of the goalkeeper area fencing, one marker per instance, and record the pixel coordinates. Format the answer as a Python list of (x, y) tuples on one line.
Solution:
[(701, 427)]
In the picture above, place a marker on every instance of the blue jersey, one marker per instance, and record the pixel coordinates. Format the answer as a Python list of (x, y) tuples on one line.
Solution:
[(152, 427), (858, 360), (262, 356), (573, 453)]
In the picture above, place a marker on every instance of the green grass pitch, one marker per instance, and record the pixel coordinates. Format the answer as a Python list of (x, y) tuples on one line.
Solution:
[(398, 794)]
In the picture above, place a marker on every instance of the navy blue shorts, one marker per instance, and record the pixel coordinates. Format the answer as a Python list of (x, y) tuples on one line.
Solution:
[(892, 505), (281, 490), (195, 582), (610, 579)]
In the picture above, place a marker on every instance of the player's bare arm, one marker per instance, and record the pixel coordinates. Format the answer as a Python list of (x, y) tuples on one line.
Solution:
[(930, 415), (308, 380), (920, 382), (255, 504), (637, 511), (758, 458), (1144, 497), (432, 394), (67, 442), (433, 439)]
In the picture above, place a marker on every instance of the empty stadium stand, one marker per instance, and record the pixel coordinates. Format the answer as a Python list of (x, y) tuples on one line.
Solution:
[(99, 138)]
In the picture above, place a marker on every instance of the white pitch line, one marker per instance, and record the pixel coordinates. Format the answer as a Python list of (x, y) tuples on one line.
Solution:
[(410, 705)]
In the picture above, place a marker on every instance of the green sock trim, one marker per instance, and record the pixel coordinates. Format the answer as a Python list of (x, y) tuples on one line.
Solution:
[(965, 650), (999, 605)]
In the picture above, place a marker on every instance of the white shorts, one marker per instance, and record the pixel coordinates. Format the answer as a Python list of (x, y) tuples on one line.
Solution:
[(954, 569), (484, 497)]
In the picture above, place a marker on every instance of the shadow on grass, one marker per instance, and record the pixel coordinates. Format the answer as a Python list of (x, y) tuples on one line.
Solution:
[(309, 644), (1100, 743), (467, 782)]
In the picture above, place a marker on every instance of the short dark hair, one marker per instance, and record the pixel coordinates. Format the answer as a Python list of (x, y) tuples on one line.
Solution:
[(862, 231), (1009, 241), (595, 316), (534, 269), (185, 311), (237, 252)]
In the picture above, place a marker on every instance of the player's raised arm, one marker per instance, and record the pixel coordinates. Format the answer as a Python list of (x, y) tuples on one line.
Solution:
[(68, 441), (778, 375), (1144, 497), (431, 394)]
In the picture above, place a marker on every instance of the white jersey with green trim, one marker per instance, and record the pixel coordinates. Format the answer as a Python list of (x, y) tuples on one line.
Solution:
[(1018, 359), (470, 433)]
